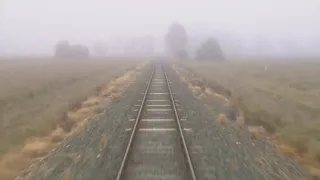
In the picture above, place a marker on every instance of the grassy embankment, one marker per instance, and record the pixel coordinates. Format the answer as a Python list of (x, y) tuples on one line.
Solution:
[(283, 97), (47, 98)]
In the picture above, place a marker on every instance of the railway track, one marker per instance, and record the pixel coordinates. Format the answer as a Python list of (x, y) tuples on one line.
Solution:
[(157, 147)]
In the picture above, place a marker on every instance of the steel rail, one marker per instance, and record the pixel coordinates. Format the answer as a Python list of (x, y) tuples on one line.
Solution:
[(185, 148), (134, 129)]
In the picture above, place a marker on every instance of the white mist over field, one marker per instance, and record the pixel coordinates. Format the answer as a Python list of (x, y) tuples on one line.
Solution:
[(247, 27)]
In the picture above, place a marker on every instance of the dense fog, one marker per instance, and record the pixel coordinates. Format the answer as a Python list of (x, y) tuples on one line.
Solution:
[(243, 28)]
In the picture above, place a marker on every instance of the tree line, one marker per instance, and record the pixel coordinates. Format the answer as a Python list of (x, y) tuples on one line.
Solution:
[(65, 49), (176, 41), (176, 44)]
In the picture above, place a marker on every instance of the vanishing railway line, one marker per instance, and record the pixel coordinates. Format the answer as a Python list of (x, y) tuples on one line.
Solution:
[(157, 148), (152, 145)]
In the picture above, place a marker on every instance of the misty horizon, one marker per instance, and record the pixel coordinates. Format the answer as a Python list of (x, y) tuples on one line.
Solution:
[(242, 28)]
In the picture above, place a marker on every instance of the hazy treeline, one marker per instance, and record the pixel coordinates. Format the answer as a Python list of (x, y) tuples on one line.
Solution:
[(176, 44), (210, 50), (143, 45), (65, 49)]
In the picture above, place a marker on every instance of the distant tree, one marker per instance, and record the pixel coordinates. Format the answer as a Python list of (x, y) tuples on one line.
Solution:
[(65, 50), (100, 48), (210, 51), (62, 49), (176, 39)]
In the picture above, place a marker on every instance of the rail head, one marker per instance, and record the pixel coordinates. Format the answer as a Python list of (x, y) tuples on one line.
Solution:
[(134, 129), (185, 148)]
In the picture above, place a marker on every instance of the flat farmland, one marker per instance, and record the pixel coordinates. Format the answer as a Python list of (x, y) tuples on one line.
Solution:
[(283, 97), (35, 93)]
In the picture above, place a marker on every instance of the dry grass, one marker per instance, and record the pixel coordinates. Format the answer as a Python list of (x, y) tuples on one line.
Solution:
[(257, 132), (315, 173), (240, 122), (222, 119), (68, 175), (64, 95), (103, 141), (284, 98)]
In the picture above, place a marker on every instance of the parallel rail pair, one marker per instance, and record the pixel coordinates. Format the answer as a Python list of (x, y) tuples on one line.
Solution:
[(164, 85)]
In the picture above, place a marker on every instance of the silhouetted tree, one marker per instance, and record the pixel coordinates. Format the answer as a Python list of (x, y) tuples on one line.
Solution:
[(62, 49), (176, 39), (65, 50), (210, 50)]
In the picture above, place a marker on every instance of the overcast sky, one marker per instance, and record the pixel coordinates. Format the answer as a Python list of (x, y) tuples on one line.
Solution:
[(27, 22)]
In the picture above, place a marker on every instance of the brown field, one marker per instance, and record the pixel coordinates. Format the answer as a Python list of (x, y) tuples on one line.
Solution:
[(283, 97), (36, 93)]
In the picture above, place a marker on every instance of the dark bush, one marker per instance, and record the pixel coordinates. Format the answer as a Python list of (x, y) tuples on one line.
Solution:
[(64, 49), (210, 51)]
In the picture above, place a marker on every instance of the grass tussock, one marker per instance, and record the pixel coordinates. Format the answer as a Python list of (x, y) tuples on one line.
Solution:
[(179, 74), (103, 141), (36, 148), (39, 136), (240, 122), (68, 174), (257, 132), (283, 99), (222, 119), (314, 173)]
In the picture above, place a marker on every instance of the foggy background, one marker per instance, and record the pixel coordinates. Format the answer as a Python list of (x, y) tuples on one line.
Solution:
[(283, 28)]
